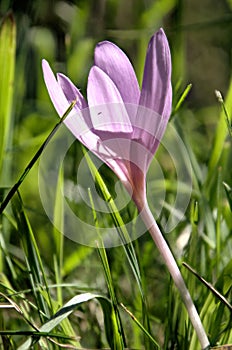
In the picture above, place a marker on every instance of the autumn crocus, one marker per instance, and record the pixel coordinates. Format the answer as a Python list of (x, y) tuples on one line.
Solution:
[(123, 126)]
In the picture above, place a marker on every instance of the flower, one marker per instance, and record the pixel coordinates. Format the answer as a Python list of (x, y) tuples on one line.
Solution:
[(122, 125)]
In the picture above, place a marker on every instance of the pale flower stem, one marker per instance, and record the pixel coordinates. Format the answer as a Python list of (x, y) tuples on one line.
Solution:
[(173, 268)]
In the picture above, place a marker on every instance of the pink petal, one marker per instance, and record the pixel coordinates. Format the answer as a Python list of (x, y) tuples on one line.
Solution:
[(62, 93), (113, 61), (71, 92), (149, 128), (54, 89), (108, 112), (156, 88), (76, 121)]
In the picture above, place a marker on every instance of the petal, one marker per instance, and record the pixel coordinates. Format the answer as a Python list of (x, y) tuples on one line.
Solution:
[(156, 88), (54, 89), (61, 94), (113, 61), (76, 121), (71, 92), (108, 112)]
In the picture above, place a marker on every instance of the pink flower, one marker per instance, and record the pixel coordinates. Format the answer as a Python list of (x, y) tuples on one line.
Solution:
[(122, 125)]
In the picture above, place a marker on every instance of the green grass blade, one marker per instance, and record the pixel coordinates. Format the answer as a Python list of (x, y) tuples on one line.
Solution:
[(7, 68), (114, 338), (63, 313), (125, 239), (197, 174), (182, 99), (220, 136), (228, 190), (209, 286), (154, 342), (218, 220), (6, 254), (76, 258), (114, 329), (58, 236), (14, 189), (118, 221), (227, 117), (32, 254)]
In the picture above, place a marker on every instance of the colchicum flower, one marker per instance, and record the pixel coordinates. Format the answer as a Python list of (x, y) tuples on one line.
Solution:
[(123, 126)]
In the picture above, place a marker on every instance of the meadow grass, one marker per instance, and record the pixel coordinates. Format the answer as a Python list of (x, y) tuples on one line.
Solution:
[(56, 293)]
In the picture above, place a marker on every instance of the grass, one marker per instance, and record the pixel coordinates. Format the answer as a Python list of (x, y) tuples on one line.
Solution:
[(57, 293)]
